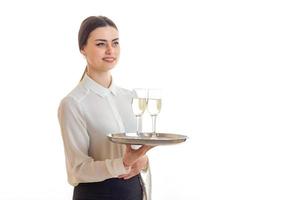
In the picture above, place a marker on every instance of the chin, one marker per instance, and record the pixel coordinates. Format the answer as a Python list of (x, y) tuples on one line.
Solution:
[(108, 67), (104, 67)]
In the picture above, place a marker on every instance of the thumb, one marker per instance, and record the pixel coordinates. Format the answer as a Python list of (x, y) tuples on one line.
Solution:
[(145, 148)]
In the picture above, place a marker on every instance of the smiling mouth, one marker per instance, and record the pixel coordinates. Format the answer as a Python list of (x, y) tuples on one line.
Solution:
[(109, 59)]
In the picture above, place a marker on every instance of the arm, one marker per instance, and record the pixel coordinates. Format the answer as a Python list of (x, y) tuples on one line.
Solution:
[(80, 166)]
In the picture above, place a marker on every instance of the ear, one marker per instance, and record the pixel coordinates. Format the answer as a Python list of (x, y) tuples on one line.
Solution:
[(82, 52)]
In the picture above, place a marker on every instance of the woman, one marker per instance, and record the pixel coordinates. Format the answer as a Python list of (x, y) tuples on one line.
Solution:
[(98, 168)]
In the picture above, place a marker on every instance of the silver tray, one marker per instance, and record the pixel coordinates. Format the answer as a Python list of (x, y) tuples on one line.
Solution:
[(146, 138)]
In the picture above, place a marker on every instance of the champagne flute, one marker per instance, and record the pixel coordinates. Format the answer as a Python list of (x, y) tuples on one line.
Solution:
[(139, 104), (154, 107)]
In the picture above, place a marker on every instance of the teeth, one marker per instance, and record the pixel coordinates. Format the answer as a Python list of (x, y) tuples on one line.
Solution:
[(109, 59)]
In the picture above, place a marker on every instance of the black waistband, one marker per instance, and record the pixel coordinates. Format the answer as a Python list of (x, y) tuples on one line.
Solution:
[(110, 189)]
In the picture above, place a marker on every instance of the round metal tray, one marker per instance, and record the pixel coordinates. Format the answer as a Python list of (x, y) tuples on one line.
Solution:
[(146, 138)]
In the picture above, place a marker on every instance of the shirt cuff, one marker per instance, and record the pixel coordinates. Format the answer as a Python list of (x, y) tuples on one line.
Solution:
[(145, 169)]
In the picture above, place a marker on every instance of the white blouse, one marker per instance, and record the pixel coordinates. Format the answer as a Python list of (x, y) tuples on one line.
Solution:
[(86, 115)]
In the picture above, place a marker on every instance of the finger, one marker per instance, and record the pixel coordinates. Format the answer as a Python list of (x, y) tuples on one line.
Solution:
[(130, 176), (145, 148), (122, 176), (126, 176), (150, 147)]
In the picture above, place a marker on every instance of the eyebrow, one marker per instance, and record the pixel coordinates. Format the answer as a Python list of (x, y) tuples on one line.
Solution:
[(106, 40)]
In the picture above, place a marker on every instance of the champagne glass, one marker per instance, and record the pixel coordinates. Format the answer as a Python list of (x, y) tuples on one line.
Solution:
[(154, 107), (139, 104)]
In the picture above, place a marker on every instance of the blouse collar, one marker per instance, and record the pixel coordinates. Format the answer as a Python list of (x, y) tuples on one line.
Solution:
[(89, 83)]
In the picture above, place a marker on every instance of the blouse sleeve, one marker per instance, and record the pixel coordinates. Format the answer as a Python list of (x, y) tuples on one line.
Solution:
[(80, 166)]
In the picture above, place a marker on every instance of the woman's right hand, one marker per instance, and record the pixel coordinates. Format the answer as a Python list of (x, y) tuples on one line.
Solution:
[(132, 155)]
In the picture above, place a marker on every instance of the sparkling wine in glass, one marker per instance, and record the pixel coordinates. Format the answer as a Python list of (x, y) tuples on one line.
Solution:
[(154, 107), (139, 105)]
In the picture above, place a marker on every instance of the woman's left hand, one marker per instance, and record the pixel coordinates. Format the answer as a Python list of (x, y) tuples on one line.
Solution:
[(139, 165)]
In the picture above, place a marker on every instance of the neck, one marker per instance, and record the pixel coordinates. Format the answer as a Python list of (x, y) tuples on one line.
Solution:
[(103, 78)]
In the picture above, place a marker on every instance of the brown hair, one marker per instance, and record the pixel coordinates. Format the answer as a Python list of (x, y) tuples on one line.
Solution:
[(87, 26)]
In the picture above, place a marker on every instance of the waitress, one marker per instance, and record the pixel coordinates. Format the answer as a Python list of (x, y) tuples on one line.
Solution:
[(97, 168)]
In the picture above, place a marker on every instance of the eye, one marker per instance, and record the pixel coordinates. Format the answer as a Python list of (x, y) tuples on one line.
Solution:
[(101, 44), (116, 43)]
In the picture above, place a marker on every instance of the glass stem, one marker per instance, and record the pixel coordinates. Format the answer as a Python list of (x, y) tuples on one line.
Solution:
[(138, 125), (154, 124)]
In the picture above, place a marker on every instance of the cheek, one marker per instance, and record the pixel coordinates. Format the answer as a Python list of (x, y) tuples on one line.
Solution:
[(118, 52), (95, 55)]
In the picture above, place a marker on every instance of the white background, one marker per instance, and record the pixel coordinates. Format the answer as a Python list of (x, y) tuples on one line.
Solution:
[(230, 75)]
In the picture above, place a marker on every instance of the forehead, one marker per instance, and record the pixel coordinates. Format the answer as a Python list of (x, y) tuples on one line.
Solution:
[(107, 33)]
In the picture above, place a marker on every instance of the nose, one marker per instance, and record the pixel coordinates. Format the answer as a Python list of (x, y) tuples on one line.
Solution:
[(109, 49)]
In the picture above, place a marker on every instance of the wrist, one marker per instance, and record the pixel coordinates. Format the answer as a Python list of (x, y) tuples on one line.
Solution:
[(125, 164)]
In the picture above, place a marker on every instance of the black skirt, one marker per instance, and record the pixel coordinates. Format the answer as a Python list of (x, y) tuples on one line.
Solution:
[(110, 189)]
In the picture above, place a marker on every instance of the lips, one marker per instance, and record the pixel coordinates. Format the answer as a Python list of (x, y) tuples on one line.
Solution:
[(109, 59)]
